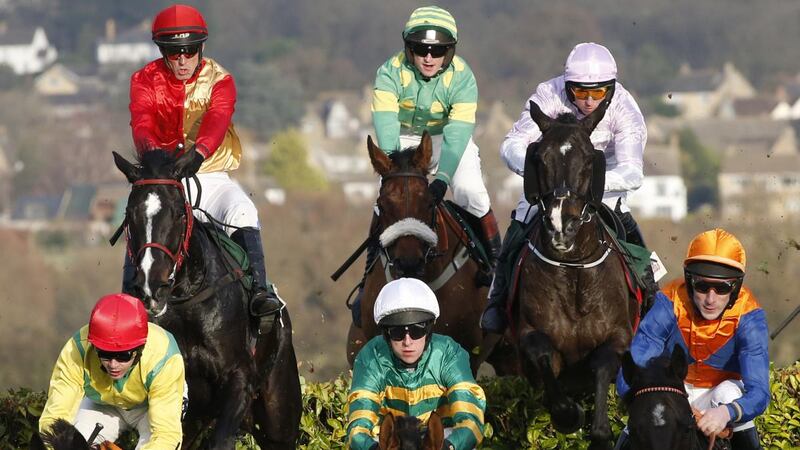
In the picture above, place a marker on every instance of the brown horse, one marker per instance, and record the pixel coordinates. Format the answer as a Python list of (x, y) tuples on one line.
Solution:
[(422, 242), (405, 433), (574, 316)]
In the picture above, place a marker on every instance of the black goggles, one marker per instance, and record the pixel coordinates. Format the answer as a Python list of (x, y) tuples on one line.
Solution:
[(174, 53), (118, 356), (721, 287), (436, 51), (415, 331)]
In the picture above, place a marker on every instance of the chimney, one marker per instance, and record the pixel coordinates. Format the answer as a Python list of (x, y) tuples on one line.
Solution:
[(111, 30)]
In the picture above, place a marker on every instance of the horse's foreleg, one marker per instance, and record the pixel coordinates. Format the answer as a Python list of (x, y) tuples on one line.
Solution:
[(236, 396), (566, 414), (604, 361)]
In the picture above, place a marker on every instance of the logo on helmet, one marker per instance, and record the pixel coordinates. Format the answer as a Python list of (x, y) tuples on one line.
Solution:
[(181, 36)]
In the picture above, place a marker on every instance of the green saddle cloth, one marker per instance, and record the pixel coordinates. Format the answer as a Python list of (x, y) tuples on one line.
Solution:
[(237, 254)]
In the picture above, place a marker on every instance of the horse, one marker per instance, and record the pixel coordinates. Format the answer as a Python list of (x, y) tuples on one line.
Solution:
[(573, 315), (64, 436), (405, 433), (236, 378), (420, 241), (661, 417)]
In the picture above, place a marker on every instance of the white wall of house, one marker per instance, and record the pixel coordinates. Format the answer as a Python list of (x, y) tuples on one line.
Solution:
[(126, 52), (659, 197), (29, 58)]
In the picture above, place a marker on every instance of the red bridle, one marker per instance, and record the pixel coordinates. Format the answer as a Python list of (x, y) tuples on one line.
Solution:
[(183, 248)]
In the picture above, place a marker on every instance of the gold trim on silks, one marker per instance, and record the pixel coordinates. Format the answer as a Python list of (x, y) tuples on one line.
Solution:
[(198, 98)]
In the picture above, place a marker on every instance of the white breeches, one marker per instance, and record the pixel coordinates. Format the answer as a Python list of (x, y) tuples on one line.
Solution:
[(225, 200), (114, 421), (725, 392), (469, 191)]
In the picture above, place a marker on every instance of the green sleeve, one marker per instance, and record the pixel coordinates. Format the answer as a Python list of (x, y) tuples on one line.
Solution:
[(385, 105), (466, 400), (460, 123), (363, 402)]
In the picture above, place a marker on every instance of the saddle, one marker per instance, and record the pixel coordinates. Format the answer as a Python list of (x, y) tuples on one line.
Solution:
[(235, 256), (470, 233)]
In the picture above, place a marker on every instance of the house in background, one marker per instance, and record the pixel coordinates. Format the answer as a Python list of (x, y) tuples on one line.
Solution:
[(133, 46), (700, 94), (25, 48), (663, 191)]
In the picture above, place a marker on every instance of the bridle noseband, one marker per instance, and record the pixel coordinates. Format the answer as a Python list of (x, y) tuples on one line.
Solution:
[(179, 255), (407, 175)]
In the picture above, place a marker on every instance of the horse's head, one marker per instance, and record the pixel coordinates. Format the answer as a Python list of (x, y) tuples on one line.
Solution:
[(159, 222), (660, 415), (564, 174), (405, 207), (406, 433)]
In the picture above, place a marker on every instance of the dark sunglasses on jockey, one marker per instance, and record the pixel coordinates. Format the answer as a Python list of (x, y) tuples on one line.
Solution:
[(122, 357), (583, 93), (415, 331), (721, 287), (173, 53), (436, 51)]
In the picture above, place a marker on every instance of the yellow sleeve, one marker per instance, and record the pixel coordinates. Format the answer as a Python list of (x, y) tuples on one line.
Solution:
[(66, 387), (164, 406)]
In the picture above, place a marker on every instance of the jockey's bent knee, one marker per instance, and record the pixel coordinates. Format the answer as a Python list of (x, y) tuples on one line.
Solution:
[(241, 215)]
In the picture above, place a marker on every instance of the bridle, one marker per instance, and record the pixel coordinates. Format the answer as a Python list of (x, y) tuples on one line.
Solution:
[(180, 254), (695, 414), (407, 176)]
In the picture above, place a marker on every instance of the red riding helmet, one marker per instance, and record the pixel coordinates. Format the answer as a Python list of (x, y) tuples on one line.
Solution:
[(118, 323), (179, 26)]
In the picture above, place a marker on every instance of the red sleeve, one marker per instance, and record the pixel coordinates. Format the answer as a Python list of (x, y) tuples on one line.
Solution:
[(143, 120), (217, 118)]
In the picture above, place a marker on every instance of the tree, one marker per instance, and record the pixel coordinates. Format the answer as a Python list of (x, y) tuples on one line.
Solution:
[(268, 100), (288, 164), (700, 167)]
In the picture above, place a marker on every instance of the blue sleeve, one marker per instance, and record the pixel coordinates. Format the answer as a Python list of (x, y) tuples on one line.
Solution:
[(751, 338), (651, 337)]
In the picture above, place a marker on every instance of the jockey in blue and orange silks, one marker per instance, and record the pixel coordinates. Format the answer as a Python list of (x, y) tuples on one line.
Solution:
[(723, 329)]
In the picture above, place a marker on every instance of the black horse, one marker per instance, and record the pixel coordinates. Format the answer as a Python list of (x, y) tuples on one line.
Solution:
[(574, 317), (236, 379), (407, 433), (64, 436), (660, 415)]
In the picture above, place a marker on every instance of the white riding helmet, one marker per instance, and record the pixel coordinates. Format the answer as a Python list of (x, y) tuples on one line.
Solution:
[(405, 301), (590, 63)]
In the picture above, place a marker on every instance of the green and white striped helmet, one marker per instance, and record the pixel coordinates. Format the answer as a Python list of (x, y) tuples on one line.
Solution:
[(431, 25)]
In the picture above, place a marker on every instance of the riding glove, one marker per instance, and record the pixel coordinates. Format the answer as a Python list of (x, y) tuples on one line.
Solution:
[(196, 162), (437, 190)]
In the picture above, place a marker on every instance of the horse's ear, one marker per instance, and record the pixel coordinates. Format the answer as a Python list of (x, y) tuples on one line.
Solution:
[(530, 184), (678, 363), (435, 435), (541, 119), (629, 368), (131, 172), (422, 157), (380, 161), (590, 122), (387, 428)]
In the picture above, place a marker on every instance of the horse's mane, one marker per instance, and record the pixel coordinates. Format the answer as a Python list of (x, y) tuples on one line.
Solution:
[(407, 428), (403, 159), (155, 162), (63, 435)]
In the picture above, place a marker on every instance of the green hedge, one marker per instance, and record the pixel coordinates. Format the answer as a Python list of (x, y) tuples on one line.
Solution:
[(515, 416)]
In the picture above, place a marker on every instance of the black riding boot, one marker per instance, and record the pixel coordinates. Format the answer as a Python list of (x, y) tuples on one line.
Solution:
[(746, 440), (491, 243), (493, 319), (264, 299), (372, 255), (128, 274)]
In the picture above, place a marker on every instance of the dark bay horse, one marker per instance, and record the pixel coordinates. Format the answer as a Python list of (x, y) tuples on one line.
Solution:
[(419, 241), (574, 317), (660, 415), (406, 433), (236, 379), (64, 436)]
